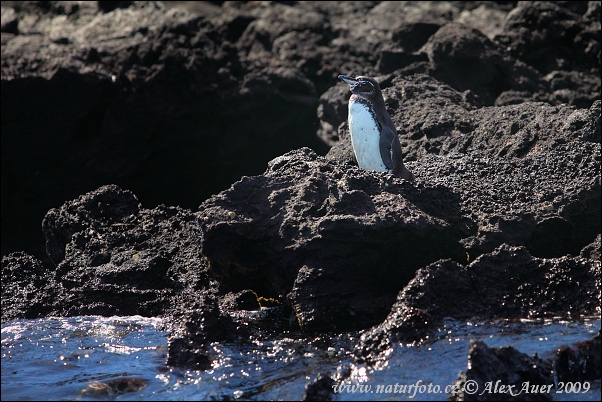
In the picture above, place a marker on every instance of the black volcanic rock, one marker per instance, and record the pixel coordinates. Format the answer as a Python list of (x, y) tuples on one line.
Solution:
[(508, 282), (28, 287), (314, 233), (433, 118), (579, 362), (198, 322), (505, 366), (113, 258), (505, 374), (497, 106), (526, 174), (466, 59), (321, 389), (153, 99), (177, 105)]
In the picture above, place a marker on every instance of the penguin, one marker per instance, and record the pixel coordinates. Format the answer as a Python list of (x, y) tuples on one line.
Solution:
[(373, 134)]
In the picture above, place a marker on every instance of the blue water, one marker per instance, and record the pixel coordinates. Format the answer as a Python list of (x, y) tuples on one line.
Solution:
[(123, 358)]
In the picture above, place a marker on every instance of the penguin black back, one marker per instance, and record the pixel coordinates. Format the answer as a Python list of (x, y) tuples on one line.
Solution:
[(373, 134)]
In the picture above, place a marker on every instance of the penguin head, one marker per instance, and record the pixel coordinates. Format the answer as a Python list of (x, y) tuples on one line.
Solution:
[(364, 87)]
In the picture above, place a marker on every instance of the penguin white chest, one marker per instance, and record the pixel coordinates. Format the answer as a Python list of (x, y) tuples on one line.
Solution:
[(365, 138)]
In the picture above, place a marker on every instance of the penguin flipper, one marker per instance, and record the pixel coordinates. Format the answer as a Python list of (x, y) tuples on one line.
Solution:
[(390, 151), (386, 145)]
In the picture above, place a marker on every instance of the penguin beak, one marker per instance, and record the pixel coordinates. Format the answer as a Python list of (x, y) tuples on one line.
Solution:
[(348, 80)]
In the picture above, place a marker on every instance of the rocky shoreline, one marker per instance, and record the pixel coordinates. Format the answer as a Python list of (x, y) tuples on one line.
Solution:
[(497, 107)]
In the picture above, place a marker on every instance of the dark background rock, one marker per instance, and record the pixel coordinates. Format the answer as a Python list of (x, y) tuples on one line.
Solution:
[(112, 258), (158, 102), (176, 105)]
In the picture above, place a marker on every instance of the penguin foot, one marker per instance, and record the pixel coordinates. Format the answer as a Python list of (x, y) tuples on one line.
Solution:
[(386, 182)]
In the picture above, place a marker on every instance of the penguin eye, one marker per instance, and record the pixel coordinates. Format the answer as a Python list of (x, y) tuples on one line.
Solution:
[(366, 86)]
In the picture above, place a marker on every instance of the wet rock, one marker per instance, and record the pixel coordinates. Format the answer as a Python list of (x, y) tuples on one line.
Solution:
[(198, 322), (506, 374), (508, 282), (243, 300), (156, 99), (579, 363), (502, 367), (28, 288), (319, 390)]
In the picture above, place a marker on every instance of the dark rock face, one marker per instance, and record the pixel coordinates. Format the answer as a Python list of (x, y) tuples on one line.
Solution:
[(27, 287), (153, 102), (300, 231), (508, 366), (198, 323), (154, 99), (508, 282), (112, 256), (320, 390), (580, 362), (508, 371)]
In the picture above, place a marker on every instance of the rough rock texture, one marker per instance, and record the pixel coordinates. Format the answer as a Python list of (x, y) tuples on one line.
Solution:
[(27, 287), (511, 369), (522, 171), (433, 118), (523, 175), (579, 362), (176, 105), (311, 232), (199, 322), (497, 107), (508, 366), (155, 100), (508, 282), (112, 258)]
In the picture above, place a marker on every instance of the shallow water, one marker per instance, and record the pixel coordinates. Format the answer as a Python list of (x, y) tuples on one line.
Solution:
[(122, 358)]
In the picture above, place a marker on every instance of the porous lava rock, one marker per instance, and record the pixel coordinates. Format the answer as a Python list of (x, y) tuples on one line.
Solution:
[(336, 243), (497, 106), (28, 288), (507, 282), (112, 258), (154, 97), (198, 321), (505, 366), (148, 97), (521, 171), (505, 374)]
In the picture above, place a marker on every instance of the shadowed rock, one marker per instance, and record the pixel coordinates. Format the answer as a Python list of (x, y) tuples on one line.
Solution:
[(336, 243), (505, 374), (508, 282), (113, 258)]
